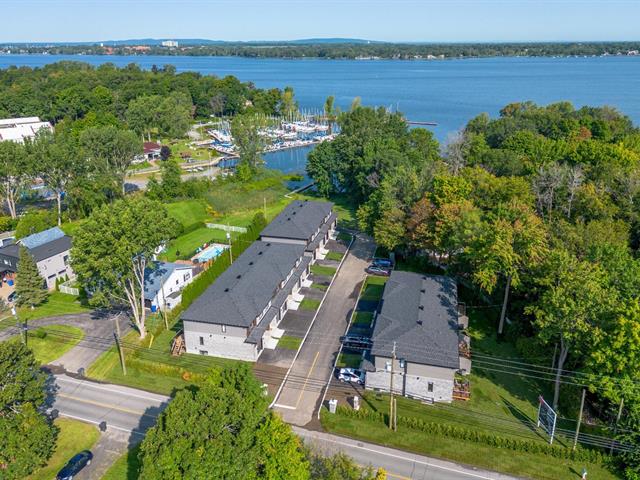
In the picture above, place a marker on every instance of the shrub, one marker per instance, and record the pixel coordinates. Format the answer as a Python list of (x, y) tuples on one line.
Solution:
[(464, 434)]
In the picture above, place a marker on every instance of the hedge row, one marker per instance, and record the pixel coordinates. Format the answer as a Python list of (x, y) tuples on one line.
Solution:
[(460, 433)]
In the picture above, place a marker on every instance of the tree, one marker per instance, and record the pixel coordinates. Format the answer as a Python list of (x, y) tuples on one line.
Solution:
[(111, 150), (111, 251), (245, 130), (34, 221), (288, 103), (14, 173), (165, 152), (330, 112), (30, 286), (512, 239), (222, 429), (340, 467), (571, 307), (58, 163), (171, 182), (26, 435)]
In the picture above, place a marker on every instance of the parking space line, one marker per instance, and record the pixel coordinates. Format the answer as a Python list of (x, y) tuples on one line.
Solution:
[(313, 365)]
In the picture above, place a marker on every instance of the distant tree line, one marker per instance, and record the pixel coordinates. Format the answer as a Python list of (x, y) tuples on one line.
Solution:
[(159, 100), (353, 50)]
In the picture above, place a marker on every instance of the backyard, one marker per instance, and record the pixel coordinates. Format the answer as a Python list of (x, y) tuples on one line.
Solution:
[(56, 304)]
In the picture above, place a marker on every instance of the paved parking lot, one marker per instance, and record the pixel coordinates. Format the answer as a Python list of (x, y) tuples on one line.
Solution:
[(301, 393)]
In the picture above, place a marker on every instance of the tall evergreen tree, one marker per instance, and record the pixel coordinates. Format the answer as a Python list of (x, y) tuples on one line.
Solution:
[(30, 287)]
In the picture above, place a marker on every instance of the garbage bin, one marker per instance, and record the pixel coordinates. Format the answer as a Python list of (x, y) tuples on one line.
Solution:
[(10, 282), (333, 405)]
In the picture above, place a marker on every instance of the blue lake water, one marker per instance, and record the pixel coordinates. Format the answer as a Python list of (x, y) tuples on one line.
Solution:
[(448, 92)]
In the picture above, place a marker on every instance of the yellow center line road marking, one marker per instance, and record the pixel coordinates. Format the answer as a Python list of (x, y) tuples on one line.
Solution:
[(389, 474), (105, 405), (313, 365)]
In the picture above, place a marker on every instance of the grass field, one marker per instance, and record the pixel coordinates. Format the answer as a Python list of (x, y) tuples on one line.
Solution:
[(347, 360), (154, 368), (52, 347), (289, 343), (336, 256), (187, 244), (321, 270), (543, 467), (127, 467), (309, 304), (189, 212), (73, 437), (57, 304), (362, 318), (373, 288)]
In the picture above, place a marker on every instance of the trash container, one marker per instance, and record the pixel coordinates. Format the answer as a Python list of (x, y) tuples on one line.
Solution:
[(154, 308), (10, 282), (333, 405)]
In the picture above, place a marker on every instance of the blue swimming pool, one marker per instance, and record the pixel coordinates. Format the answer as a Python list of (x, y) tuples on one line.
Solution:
[(212, 251)]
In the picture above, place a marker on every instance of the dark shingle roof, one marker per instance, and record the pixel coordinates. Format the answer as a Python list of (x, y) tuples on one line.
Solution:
[(425, 335), (299, 220), (51, 248), (243, 291)]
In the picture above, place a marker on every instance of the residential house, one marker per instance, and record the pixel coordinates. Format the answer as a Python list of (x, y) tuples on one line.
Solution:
[(163, 284), (151, 150), (51, 251), (238, 315), (418, 319), (17, 129), (303, 222)]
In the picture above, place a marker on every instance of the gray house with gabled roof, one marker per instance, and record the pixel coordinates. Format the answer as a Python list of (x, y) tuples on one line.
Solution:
[(418, 315), (303, 222), (50, 250), (238, 315)]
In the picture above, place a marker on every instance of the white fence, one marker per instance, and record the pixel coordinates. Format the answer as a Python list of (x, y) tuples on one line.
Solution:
[(227, 228), (65, 288)]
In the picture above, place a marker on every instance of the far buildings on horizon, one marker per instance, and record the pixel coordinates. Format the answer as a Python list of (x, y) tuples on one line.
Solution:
[(17, 129)]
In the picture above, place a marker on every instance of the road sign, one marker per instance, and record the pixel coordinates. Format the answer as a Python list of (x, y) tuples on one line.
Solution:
[(547, 418)]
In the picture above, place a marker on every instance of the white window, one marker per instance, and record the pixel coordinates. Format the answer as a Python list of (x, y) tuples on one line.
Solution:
[(201, 340), (430, 387), (387, 366), (224, 329)]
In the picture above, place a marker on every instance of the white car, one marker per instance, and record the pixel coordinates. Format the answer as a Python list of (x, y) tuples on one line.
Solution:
[(351, 375)]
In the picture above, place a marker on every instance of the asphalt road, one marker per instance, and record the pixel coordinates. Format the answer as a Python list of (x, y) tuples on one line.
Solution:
[(128, 413), (399, 465), (302, 391)]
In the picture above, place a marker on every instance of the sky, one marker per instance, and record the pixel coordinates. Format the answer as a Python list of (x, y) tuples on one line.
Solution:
[(386, 20)]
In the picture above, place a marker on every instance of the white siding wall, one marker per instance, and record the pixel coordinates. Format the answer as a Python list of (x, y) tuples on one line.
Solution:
[(175, 283), (230, 344), (54, 267)]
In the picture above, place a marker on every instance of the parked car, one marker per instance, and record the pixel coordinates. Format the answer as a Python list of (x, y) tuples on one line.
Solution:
[(12, 297), (73, 466), (355, 341), (382, 272), (351, 375), (382, 262)]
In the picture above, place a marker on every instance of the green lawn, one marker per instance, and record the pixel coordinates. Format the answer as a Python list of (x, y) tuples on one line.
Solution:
[(57, 304), (127, 467), (373, 288), (321, 270), (336, 256), (309, 304), (187, 244), (362, 318), (319, 286), (349, 360), (543, 467), (51, 342), (344, 237), (289, 343), (154, 368), (74, 436), (189, 212)]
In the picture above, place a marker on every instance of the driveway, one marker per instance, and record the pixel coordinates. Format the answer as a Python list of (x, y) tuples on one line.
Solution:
[(300, 395), (98, 337)]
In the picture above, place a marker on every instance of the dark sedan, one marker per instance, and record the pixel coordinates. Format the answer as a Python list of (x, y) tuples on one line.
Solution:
[(73, 466)]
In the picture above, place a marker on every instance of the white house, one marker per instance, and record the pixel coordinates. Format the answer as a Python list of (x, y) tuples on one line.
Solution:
[(17, 129), (163, 284)]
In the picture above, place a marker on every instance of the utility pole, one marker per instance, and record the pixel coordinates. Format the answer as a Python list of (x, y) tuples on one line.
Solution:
[(615, 428), (392, 403), (264, 199), (116, 334), (22, 327), (229, 241), (575, 439)]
